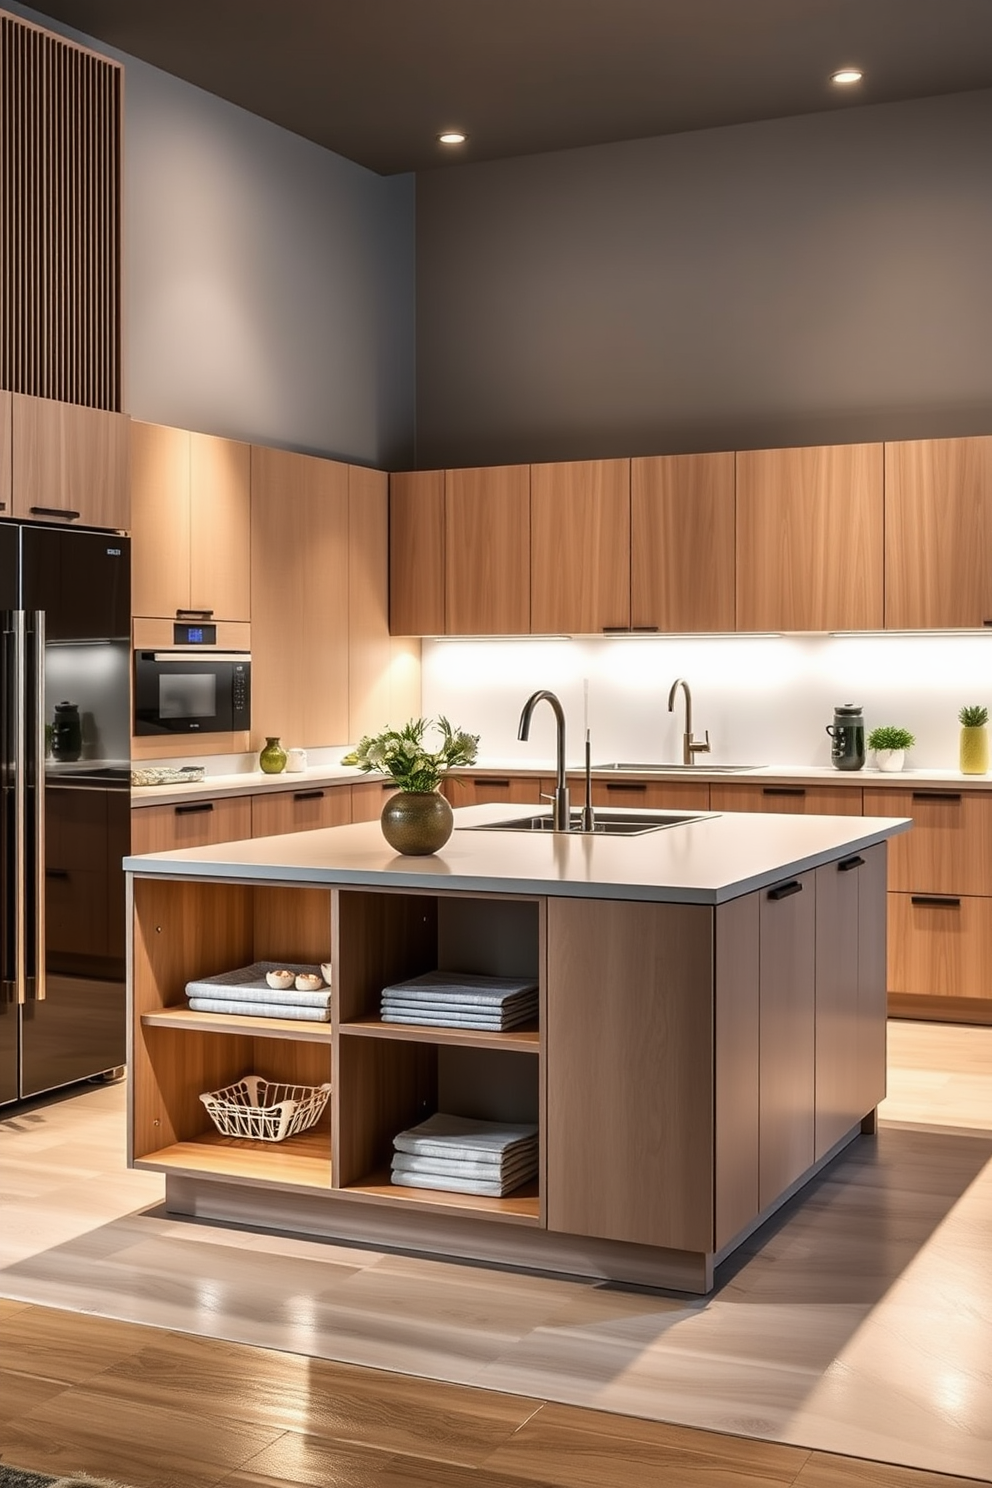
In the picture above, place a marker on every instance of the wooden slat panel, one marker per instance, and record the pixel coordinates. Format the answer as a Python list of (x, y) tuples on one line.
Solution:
[(5, 406), (60, 178)]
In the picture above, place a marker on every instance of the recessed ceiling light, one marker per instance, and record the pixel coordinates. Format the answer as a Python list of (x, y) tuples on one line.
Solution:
[(845, 75), (452, 137)]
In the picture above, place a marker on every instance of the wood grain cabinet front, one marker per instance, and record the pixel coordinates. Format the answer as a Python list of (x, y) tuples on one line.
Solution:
[(804, 800), (487, 551), (191, 507), (69, 464), (682, 559), (274, 813), (580, 547), (190, 824)]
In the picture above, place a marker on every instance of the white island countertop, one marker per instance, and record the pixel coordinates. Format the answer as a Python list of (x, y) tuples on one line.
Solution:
[(708, 858)]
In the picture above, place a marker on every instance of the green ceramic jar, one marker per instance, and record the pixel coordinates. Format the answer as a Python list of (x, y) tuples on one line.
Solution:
[(273, 757)]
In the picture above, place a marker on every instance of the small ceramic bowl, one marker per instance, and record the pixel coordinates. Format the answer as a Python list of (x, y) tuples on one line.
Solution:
[(325, 971), (308, 981), (280, 980)]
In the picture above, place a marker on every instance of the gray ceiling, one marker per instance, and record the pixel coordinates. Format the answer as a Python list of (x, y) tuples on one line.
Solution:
[(376, 80)]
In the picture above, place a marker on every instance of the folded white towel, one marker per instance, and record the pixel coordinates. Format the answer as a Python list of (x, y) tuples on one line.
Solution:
[(465, 986), (456, 1185), (462, 1136), (524, 1166), (261, 1010)]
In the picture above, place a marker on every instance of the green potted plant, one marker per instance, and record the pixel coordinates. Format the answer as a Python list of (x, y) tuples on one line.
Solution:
[(974, 750), (418, 819), (889, 743)]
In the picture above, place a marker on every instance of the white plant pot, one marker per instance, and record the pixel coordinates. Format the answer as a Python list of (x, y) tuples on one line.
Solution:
[(890, 759)]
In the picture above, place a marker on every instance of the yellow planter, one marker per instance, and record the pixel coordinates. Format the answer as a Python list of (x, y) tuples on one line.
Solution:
[(975, 750)]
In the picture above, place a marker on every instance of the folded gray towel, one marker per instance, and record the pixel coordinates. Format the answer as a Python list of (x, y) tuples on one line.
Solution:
[(461, 1137), (524, 1166), (246, 978), (458, 1020), (288, 996), (464, 986), (261, 1010), (456, 1185)]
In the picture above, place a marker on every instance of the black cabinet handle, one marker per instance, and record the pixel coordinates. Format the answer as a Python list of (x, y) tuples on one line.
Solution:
[(192, 810), (491, 780), (847, 864), (56, 511), (314, 795), (644, 629), (938, 901), (783, 790), (987, 622), (3, 506), (616, 630), (56, 873), (785, 890), (936, 795), (624, 785), (194, 614)]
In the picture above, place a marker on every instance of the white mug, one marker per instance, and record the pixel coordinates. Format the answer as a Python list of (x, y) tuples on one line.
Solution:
[(297, 760)]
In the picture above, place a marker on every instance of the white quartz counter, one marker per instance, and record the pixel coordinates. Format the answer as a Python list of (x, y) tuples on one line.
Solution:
[(707, 859)]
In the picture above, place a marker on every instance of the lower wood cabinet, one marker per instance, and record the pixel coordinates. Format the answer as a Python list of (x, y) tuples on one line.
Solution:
[(476, 790), (940, 951), (367, 798), (276, 812), (809, 800), (649, 795), (190, 824)]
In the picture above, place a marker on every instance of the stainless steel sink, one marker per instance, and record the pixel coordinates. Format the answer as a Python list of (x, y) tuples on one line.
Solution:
[(698, 769), (610, 823)]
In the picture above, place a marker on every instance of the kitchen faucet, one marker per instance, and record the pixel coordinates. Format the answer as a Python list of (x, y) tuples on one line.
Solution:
[(560, 810), (690, 746)]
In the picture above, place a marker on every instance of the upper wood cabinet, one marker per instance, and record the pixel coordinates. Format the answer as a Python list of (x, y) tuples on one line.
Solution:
[(580, 546), (682, 559), (809, 538), (69, 464), (191, 524), (938, 533), (416, 553), (383, 672), (487, 558), (299, 598), (6, 401)]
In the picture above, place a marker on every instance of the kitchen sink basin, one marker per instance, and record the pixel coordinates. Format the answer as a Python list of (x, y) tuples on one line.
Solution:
[(664, 769), (610, 823)]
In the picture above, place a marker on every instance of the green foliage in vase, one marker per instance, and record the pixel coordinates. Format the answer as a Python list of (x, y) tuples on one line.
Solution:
[(403, 754), (889, 736), (973, 717)]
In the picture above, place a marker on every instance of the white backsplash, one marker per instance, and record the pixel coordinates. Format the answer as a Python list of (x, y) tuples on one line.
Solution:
[(765, 700)]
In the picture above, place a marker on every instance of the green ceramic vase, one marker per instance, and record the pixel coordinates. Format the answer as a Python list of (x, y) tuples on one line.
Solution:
[(416, 823), (273, 757)]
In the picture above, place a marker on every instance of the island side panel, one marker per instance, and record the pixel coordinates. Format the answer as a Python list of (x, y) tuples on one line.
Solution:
[(872, 978), (787, 1034), (737, 1054), (837, 994), (629, 1045)]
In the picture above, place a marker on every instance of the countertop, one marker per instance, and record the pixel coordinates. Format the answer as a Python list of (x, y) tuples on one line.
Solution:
[(249, 782), (707, 859)]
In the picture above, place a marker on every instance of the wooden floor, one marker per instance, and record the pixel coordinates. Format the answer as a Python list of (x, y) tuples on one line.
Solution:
[(858, 1324)]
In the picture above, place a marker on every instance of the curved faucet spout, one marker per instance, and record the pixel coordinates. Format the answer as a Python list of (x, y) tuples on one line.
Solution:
[(561, 805), (690, 746)]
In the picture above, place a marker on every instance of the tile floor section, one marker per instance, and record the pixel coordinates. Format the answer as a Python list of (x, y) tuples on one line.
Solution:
[(857, 1321)]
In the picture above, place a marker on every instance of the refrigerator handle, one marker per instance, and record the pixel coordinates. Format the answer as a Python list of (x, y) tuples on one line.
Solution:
[(20, 801), (35, 749)]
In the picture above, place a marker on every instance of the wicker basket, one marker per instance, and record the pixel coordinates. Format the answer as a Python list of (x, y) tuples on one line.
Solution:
[(257, 1108)]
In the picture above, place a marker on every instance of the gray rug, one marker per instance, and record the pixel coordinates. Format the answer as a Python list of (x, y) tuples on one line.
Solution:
[(15, 1477)]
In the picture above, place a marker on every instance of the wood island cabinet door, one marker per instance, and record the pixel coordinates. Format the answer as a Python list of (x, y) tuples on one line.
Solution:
[(220, 527), (786, 1079), (938, 532), (810, 538), (682, 559), (487, 551), (580, 547), (630, 1072), (70, 464), (159, 520)]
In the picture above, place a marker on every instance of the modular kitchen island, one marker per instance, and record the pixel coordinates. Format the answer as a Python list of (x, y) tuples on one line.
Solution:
[(710, 1033)]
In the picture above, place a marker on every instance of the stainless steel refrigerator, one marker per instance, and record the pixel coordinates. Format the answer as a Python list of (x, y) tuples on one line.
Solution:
[(64, 823)]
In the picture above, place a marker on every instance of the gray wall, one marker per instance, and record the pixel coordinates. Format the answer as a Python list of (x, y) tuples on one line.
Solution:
[(825, 278), (269, 282)]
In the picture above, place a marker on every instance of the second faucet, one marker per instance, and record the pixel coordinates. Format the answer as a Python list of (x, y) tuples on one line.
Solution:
[(690, 746)]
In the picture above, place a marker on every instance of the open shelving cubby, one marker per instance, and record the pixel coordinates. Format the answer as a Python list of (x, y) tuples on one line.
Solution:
[(193, 929), (389, 1077)]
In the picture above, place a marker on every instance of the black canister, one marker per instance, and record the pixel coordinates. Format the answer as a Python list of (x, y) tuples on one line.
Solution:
[(67, 732), (847, 732)]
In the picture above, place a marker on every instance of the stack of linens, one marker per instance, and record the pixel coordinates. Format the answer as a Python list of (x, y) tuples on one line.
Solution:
[(461, 1155), (460, 999), (247, 992)]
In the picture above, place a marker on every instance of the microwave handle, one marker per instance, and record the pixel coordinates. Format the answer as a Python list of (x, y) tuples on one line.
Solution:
[(194, 614)]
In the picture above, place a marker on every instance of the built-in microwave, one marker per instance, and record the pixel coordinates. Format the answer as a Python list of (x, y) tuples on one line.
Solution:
[(192, 688)]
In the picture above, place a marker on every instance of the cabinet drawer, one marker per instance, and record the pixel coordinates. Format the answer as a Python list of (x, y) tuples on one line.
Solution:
[(476, 790), (190, 824), (948, 850), (810, 800), (300, 810), (939, 946), (368, 798), (649, 795)]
